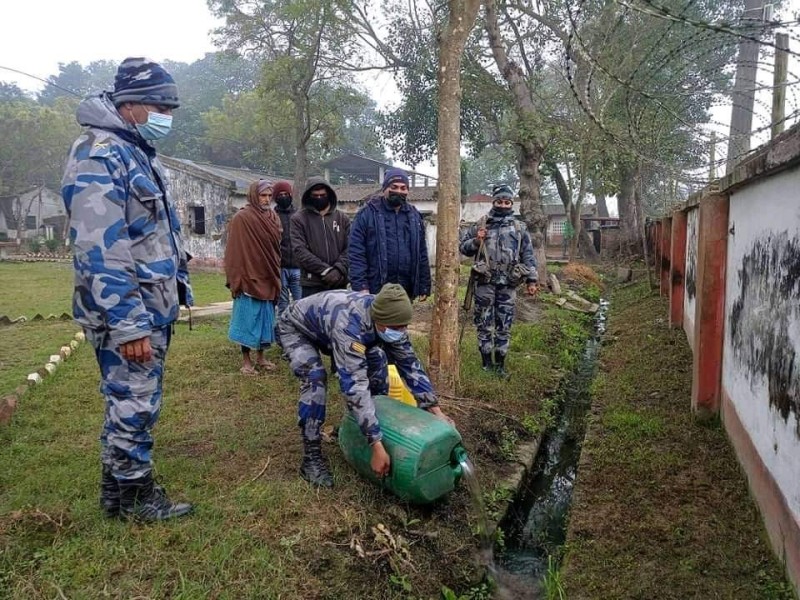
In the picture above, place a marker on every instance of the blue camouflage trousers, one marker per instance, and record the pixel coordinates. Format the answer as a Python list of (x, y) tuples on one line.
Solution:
[(306, 364), (494, 314), (132, 393)]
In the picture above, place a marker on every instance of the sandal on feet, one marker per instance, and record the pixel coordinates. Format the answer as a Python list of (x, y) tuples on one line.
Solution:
[(267, 365), (248, 371)]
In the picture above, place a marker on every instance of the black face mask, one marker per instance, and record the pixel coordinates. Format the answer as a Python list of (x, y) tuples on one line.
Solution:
[(504, 211), (283, 201), (396, 200), (319, 203)]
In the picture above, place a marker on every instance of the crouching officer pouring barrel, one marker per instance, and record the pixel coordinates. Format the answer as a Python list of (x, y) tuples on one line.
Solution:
[(362, 331)]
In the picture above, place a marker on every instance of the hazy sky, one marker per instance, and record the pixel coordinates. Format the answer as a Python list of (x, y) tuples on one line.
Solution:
[(35, 35)]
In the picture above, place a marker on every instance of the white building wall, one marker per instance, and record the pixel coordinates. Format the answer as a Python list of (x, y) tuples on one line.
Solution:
[(472, 211), (761, 358), (426, 207), (188, 191), (430, 239), (38, 204), (690, 289)]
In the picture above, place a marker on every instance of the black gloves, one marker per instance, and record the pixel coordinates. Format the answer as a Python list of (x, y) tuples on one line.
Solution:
[(333, 278)]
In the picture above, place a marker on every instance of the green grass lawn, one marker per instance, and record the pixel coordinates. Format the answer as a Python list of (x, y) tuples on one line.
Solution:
[(26, 348), (231, 445), (46, 288), (661, 507), (31, 288), (209, 287)]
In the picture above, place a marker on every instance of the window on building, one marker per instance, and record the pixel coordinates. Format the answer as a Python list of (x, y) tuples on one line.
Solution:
[(197, 219), (30, 222), (556, 227)]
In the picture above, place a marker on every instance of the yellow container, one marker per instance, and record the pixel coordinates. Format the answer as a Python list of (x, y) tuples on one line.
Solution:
[(398, 389)]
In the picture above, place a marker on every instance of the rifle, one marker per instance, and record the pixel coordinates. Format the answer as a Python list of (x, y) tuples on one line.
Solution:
[(469, 297)]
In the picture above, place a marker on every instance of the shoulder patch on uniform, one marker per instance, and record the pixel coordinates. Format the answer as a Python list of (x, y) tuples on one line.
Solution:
[(358, 348), (101, 149)]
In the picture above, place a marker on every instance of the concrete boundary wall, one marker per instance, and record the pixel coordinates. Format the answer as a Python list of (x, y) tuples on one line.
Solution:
[(729, 260)]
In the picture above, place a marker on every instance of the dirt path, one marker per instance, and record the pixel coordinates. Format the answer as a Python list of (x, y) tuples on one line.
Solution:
[(661, 509)]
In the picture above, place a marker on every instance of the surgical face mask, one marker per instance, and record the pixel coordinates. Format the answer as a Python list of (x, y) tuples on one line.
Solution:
[(283, 201), (157, 126), (319, 202), (395, 199), (391, 335)]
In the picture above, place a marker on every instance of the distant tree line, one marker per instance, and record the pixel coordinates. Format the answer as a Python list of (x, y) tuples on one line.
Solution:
[(566, 102), (230, 115)]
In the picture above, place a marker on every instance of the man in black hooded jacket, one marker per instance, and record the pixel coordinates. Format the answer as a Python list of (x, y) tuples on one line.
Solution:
[(290, 270), (320, 234)]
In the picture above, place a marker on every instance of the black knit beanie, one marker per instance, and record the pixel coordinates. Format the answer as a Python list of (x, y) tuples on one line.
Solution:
[(392, 306), (144, 81), (502, 191)]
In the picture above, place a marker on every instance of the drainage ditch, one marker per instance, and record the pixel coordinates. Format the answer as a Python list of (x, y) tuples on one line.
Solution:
[(535, 525)]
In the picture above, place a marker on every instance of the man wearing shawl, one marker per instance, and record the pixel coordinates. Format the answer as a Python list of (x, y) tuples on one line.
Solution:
[(253, 273)]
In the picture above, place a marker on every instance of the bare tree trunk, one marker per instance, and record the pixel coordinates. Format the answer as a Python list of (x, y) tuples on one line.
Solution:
[(602, 206), (301, 148), (529, 157), (530, 150), (643, 233), (640, 242), (565, 194), (22, 213), (582, 239), (629, 229), (586, 244), (444, 350), (575, 221)]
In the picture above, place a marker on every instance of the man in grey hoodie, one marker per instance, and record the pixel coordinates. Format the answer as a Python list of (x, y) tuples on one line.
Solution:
[(320, 234)]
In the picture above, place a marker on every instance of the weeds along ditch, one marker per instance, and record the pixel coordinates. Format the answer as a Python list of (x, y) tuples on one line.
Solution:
[(534, 528)]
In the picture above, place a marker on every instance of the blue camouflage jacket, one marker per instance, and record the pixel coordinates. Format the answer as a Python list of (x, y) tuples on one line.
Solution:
[(123, 227), (507, 243), (339, 322)]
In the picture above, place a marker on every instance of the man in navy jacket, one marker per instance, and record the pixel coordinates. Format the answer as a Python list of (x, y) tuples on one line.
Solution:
[(387, 242)]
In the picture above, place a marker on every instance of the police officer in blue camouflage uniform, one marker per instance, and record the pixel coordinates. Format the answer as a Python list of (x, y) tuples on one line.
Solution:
[(503, 250), (360, 330), (130, 268)]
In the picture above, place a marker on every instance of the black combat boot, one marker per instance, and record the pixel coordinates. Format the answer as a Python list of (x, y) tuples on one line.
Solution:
[(486, 357), (500, 365), (314, 469), (143, 500), (109, 493)]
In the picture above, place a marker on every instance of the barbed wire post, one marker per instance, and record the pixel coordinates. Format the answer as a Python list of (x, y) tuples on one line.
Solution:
[(744, 89), (712, 156), (779, 83)]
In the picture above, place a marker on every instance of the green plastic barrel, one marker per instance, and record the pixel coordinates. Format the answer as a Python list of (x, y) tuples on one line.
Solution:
[(426, 452)]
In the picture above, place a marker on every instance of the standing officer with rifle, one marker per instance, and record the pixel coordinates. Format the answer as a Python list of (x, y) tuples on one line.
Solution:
[(504, 259)]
